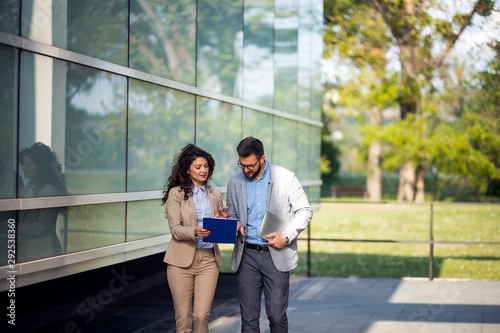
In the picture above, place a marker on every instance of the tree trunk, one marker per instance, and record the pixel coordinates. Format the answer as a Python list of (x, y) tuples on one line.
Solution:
[(420, 186), (406, 190), (374, 162), (374, 170)]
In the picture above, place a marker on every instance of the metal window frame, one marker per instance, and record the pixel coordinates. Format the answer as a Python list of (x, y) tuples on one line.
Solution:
[(62, 54), (50, 268)]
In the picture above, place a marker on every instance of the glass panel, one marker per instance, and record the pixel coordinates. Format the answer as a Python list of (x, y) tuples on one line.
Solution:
[(315, 154), (313, 194), (95, 28), (80, 114), (8, 123), (8, 132), (218, 131), (260, 126), (9, 16), (146, 219), (285, 55), (8, 222), (316, 57), (89, 227), (161, 122), (304, 58), (303, 152), (220, 46), (285, 143), (163, 38), (258, 67), (40, 233)]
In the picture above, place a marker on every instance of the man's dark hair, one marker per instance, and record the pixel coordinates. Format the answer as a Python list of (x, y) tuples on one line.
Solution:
[(249, 146)]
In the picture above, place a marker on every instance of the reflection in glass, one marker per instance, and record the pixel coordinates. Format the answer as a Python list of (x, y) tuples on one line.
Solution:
[(313, 193), (218, 131), (315, 154), (316, 58), (259, 125), (94, 27), (95, 130), (146, 219), (303, 151), (304, 58), (220, 46), (163, 38), (37, 236), (8, 122), (81, 114), (161, 121), (258, 66), (99, 29), (285, 56), (90, 227), (285, 143), (8, 140), (9, 16)]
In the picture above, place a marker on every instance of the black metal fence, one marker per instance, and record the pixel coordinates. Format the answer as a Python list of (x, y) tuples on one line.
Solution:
[(431, 241)]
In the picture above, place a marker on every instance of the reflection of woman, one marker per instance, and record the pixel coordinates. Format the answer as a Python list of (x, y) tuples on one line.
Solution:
[(193, 265), (37, 228)]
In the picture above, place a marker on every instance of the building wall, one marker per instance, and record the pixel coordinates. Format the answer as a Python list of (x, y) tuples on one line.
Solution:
[(116, 88)]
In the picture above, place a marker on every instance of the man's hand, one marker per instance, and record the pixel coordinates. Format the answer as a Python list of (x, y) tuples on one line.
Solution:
[(277, 240), (240, 229)]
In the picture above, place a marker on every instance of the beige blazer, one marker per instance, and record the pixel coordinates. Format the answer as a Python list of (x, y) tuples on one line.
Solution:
[(181, 215), (37, 230)]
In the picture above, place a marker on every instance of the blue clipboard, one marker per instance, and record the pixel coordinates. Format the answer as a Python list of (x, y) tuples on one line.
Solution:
[(222, 230)]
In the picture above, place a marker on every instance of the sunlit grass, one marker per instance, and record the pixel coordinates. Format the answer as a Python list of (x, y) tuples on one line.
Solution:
[(399, 222)]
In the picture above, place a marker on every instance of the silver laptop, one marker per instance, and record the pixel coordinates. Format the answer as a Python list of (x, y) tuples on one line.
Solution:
[(272, 223)]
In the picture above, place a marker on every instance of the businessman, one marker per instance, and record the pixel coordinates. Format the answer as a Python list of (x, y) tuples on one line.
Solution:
[(260, 265)]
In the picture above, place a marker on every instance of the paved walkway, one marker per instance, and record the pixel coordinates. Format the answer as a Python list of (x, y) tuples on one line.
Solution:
[(381, 306), (317, 305)]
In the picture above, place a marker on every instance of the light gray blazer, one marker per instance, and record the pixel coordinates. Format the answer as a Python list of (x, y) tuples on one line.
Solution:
[(285, 198)]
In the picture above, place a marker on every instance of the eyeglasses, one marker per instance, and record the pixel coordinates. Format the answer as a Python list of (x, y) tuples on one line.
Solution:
[(250, 167)]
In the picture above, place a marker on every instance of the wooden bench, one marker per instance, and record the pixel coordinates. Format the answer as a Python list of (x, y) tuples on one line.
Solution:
[(347, 190)]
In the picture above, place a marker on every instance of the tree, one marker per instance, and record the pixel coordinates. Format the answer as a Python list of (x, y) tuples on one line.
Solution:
[(424, 33), (480, 122), (329, 162), (353, 34)]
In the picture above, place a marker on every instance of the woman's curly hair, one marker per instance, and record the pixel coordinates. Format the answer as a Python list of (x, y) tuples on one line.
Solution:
[(182, 162), (49, 168)]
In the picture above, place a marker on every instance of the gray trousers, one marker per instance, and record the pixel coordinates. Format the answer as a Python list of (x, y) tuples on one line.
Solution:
[(256, 274)]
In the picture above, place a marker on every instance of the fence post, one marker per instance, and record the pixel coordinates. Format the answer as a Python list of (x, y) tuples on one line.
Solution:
[(431, 244), (309, 250)]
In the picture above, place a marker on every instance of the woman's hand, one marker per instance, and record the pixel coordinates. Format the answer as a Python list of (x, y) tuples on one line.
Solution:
[(222, 212), (200, 232)]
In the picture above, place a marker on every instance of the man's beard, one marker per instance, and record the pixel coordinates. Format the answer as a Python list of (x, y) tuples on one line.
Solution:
[(255, 172)]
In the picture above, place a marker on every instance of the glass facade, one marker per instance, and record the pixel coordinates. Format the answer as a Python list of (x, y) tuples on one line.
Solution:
[(98, 97)]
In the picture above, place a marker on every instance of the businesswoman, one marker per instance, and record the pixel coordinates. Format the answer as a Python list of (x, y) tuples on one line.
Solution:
[(193, 265), (37, 227)]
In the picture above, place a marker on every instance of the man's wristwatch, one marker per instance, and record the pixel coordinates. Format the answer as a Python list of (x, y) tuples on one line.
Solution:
[(287, 240)]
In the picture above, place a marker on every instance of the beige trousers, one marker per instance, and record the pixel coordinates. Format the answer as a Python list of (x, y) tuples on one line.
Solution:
[(193, 290)]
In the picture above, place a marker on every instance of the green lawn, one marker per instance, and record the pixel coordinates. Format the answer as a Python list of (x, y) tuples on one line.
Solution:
[(340, 220)]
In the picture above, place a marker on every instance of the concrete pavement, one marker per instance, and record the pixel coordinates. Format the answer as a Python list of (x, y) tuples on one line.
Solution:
[(317, 305), (328, 304)]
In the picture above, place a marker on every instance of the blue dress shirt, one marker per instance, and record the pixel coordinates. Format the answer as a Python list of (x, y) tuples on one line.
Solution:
[(202, 204), (256, 205)]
